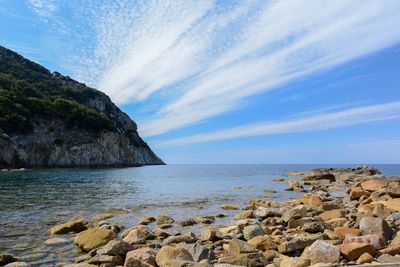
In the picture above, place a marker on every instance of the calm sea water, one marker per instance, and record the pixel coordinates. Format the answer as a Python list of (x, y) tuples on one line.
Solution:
[(33, 201)]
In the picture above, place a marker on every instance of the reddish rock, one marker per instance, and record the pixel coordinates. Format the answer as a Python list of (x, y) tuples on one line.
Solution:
[(353, 251), (357, 193), (374, 185), (377, 241), (345, 231)]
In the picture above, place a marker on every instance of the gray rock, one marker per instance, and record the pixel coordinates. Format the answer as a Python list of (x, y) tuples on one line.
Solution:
[(116, 247), (252, 231), (379, 226)]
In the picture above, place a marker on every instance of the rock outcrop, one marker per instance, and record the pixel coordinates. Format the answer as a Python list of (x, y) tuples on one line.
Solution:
[(34, 132)]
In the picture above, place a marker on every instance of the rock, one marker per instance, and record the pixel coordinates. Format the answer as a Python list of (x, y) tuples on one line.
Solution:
[(142, 257), (198, 251), (247, 259), (294, 262), (332, 235), (353, 251), (332, 214), (393, 204), (228, 229), (247, 214), (178, 239), (357, 193), (210, 235), (269, 190), (75, 225), (263, 243), (164, 219), (365, 258), (116, 247), (299, 222), (168, 253), (186, 222), (6, 259), (377, 241), (264, 212), (252, 231), (379, 226), (236, 247), (385, 258), (229, 207), (93, 238), (17, 264), (311, 200), (104, 259), (103, 216), (391, 250), (147, 220), (322, 251), (345, 231), (319, 176), (295, 213), (135, 237), (204, 219), (278, 180), (374, 185), (56, 241), (315, 227), (160, 233), (298, 242)]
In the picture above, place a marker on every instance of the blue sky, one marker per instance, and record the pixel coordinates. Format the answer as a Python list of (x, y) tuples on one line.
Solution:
[(231, 81)]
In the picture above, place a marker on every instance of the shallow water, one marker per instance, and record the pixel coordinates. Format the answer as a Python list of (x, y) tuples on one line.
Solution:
[(33, 201)]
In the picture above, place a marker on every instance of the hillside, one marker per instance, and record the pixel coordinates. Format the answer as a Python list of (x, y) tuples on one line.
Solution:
[(50, 120)]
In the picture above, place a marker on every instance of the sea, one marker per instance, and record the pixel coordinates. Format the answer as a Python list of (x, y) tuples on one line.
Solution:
[(32, 201)]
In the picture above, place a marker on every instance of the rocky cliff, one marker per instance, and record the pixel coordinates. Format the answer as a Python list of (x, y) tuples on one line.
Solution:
[(50, 120)]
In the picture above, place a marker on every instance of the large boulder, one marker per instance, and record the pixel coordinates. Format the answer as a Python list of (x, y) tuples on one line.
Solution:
[(322, 252), (378, 226), (93, 238), (75, 225)]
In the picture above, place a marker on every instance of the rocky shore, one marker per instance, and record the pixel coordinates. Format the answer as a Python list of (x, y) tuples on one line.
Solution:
[(344, 217)]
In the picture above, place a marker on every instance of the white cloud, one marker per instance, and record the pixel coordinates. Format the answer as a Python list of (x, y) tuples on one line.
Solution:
[(319, 122), (44, 8), (203, 58)]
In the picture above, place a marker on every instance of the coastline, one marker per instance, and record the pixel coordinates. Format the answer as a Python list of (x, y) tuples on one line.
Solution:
[(270, 232)]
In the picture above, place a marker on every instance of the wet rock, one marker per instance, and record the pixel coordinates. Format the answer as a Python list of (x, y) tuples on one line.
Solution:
[(75, 225), (365, 258), (178, 239), (142, 257), (269, 190), (103, 216), (263, 243), (353, 251), (229, 207), (379, 226), (116, 247), (322, 251), (252, 231), (332, 214), (298, 242), (17, 264), (164, 219), (247, 214), (102, 259), (319, 176), (346, 231), (377, 241), (168, 253), (204, 219), (6, 259), (93, 238), (147, 220), (56, 241), (186, 222), (160, 233)]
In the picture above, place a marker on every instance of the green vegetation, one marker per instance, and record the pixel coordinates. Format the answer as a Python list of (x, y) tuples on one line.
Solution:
[(27, 90)]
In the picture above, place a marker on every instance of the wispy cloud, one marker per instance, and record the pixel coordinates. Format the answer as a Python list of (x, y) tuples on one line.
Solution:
[(199, 59), (320, 122)]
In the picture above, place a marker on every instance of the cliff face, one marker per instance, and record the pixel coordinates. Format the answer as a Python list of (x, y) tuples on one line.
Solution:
[(49, 120)]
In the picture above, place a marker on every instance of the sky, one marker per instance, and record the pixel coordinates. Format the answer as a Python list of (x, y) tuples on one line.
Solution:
[(301, 81)]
